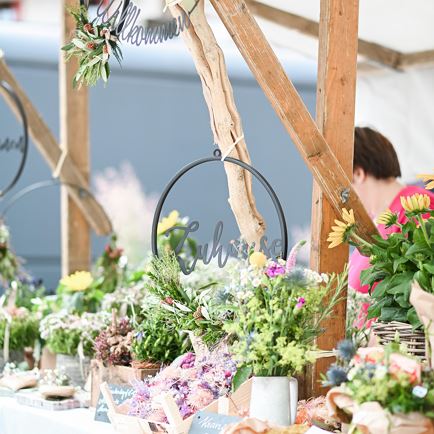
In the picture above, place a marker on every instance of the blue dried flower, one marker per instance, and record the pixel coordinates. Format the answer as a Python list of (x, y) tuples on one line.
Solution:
[(346, 350), (297, 277), (336, 376)]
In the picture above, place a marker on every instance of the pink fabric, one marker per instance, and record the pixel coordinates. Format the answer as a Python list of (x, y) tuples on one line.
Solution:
[(358, 262)]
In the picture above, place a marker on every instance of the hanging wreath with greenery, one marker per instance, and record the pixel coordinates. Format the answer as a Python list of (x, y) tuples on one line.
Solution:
[(92, 44)]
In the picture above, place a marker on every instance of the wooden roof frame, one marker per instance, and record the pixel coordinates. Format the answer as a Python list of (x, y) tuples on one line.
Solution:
[(376, 52)]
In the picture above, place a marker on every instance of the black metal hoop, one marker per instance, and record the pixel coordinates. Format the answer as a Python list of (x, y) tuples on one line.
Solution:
[(217, 157), (11, 93)]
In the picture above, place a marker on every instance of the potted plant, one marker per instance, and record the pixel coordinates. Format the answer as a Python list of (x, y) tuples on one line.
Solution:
[(71, 338), (382, 390), (406, 255), (18, 330), (277, 316)]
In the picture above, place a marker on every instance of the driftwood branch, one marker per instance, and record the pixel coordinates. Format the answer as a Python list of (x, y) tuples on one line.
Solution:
[(225, 120)]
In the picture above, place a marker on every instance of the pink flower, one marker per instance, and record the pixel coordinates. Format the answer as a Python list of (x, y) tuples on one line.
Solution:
[(370, 355), (274, 270), (200, 397), (292, 258), (403, 364), (300, 303)]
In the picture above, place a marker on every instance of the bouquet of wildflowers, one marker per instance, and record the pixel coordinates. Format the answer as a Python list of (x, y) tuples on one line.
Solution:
[(278, 313), (380, 389), (64, 332), (406, 255), (194, 380), (92, 45)]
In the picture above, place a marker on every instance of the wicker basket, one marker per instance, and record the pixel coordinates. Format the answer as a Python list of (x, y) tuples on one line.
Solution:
[(414, 340)]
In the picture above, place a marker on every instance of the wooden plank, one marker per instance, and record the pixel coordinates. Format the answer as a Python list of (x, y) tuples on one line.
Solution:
[(336, 92), (50, 150), (291, 110), (416, 58), (74, 138), (371, 50)]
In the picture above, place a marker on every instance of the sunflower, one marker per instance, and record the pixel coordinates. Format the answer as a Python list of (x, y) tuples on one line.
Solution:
[(416, 203), (78, 281), (343, 229), (168, 222), (387, 218), (428, 181)]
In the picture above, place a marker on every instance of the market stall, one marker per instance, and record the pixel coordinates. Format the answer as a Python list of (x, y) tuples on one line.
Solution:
[(207, 337)]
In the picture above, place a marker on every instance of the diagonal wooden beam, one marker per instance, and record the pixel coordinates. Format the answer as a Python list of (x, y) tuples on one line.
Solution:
[(50, 150), (373, 51), (319, 157)]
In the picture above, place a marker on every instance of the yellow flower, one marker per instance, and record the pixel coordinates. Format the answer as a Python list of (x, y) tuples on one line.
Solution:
[(387, 218), (340, 232), (78, 281), (167, 222), (258, 259), (428, 180), (417, 202)]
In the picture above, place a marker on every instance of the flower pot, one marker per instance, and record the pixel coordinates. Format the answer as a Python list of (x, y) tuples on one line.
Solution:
[(77, 370), (274, 399)]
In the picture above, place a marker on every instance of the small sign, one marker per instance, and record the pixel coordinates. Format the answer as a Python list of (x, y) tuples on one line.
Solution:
[(121, 394), (205, 422)]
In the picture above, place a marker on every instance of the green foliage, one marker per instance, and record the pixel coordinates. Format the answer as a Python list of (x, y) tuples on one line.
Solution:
[(396, 262), (277, 319), (24, 331), (9, 263), (190, 309), (109, 274), (156, 340), (92, 48)]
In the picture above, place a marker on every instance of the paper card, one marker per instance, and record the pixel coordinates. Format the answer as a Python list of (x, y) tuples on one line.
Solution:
[(316, 430), (121, 394), (205, 422)]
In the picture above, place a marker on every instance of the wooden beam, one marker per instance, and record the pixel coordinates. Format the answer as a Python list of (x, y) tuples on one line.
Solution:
[(50, 150), (336, 92), (287, 103), (373, 51), (74, 138)]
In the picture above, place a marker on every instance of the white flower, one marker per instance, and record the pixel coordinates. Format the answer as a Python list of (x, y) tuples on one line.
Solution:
[(380, 372), (351, 373), (256, 282)]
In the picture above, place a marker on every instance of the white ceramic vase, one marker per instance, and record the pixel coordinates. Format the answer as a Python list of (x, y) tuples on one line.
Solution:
[(274, 399)]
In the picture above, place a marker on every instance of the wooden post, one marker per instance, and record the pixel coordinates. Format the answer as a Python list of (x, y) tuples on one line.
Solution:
[(336, 88), (325, 167), (74, 139)]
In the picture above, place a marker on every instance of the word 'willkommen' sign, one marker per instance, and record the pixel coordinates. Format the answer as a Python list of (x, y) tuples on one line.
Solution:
[(125, 16)]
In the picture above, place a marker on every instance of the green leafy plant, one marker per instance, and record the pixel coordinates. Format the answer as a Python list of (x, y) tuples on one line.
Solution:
[(9, 263), (407, 254), (155, 339), (23, 328), (277, 316), (194, 309)]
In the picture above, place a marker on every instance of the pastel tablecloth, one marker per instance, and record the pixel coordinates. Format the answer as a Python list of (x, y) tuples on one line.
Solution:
[(20, 419)]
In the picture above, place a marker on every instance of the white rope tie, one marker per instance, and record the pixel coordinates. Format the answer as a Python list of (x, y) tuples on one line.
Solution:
[(226, 154), (59, 165), (171, 3)]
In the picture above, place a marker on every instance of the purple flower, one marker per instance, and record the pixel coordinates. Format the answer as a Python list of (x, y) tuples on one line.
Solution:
[(274, 270), (300, 303)]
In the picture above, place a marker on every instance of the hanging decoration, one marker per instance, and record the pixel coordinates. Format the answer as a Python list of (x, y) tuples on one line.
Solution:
[(206, 253), (9, 145)]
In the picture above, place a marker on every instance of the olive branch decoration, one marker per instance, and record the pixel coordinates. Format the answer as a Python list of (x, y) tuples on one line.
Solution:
[(92, 44)]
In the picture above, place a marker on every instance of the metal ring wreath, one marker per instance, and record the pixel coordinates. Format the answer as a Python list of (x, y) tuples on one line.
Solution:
[(24, 140), (218, 158)]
